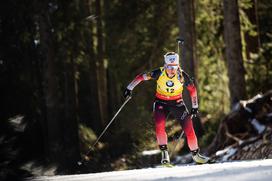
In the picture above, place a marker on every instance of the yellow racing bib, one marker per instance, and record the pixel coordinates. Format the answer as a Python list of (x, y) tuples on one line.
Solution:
[(169, 86)]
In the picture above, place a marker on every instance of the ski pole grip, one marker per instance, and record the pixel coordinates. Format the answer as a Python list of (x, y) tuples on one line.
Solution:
[(180, 40)]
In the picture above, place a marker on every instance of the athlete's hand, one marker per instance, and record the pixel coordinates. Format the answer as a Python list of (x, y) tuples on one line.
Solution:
[(194, 112), (127, 93)]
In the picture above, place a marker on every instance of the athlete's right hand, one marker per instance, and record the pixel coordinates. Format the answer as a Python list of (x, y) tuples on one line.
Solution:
[(127, 93), (194, 112)]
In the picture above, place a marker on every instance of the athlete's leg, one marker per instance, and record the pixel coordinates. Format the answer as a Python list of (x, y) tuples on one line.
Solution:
[(181, 114), (187, 125), (186, 122), (159, 118)]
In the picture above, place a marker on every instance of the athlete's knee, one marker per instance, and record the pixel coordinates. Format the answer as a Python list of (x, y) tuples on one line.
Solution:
[(189, 131), (160, 129), (191, 135), (160, 124)]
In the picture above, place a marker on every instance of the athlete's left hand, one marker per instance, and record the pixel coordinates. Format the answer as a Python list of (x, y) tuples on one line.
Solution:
[(127, 93), (194, 112)]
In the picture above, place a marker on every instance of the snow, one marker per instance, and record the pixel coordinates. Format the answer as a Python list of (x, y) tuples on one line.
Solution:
[(239, 171), (230, 152), (227, 152), (151, 152), (259, 127)]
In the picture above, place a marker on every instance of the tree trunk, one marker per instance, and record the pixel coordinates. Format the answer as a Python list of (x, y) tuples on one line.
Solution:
[(101, 68), (94, 109), (186, 21), (50, 88), (113, 100), (71, 140), (252, 42), (232, 38)]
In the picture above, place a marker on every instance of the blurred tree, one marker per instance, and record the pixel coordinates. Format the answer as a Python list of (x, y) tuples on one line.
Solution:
[(53, 124), (251, 36), (90, 56), (68, 56), (232, 38), (186, 21), (212, 72), (263, 62), (255, 18), (186, 14), (101, 66)]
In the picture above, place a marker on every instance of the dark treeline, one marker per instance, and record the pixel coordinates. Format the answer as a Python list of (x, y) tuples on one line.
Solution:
[(64, 65)]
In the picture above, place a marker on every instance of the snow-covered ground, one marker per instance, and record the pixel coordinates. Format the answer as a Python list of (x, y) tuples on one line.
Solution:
[(229, 171)]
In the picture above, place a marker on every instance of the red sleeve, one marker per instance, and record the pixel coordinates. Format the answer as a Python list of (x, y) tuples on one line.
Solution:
[(193, 93), (189, 84), (138, 79), (144, 76)]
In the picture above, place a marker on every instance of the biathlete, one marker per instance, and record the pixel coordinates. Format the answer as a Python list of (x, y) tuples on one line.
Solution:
[(170, 82)]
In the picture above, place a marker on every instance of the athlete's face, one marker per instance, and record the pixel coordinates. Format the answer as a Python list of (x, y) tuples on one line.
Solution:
[(171, 70)]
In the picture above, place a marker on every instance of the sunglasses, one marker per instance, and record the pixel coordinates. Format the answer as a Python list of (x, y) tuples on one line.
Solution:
[(172, 67)]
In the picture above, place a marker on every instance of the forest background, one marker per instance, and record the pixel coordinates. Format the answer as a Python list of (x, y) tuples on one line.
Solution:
[(64, 66)]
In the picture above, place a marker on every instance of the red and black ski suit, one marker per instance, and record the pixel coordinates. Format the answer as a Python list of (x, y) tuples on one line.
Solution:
[(169, 100)]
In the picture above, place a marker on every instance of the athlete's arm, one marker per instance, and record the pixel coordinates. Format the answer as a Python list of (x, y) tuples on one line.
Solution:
[(144, 76), (189, 84)]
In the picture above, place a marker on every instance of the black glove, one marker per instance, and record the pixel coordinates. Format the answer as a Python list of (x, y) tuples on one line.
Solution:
[(194, 112), (127, 93)]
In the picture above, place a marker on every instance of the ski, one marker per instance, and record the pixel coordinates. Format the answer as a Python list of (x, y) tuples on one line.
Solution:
[(166, 165)]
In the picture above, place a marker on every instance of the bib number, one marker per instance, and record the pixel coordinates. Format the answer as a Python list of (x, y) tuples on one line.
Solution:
[(170, 90)]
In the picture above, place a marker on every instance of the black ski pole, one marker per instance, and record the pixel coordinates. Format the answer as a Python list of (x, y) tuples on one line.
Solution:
[(91, 148), (177, 141), (180, 42)]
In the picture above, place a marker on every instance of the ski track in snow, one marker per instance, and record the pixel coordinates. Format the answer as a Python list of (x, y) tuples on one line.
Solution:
[(229, 171)]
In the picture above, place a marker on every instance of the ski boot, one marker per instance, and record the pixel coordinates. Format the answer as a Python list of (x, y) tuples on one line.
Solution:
[(165, 155), (198, 158)]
